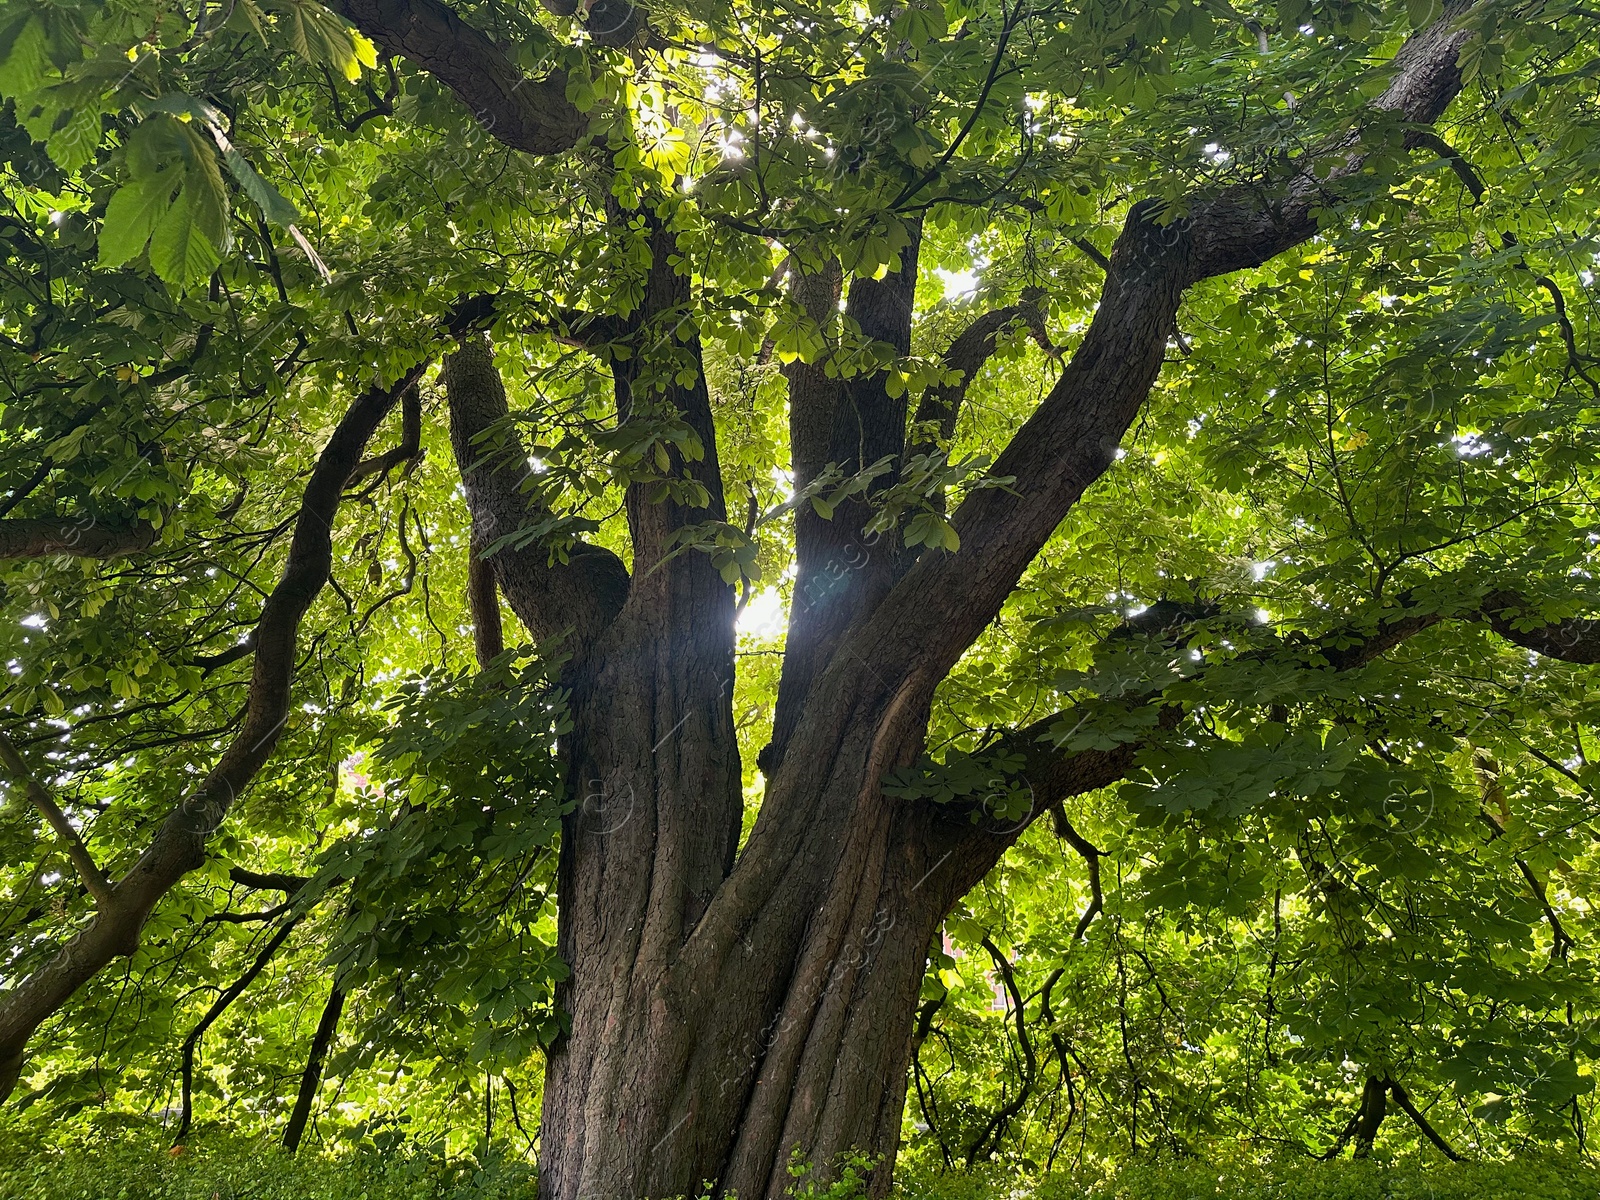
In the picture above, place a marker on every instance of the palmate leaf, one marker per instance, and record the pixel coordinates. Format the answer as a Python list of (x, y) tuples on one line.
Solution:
[(320, 38), (132, 215), (26, 60), (186, 234), (272, 202), (180, 250)]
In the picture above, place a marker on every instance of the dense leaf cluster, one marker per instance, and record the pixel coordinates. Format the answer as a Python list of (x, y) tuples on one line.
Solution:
[(1355, 845)]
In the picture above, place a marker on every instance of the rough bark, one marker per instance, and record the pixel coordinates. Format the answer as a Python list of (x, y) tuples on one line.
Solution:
[(526, 114), (1575, 640), (80, 537), (728, 1013), (849, 424), (553, 599), (1369, 1118), (653, 765)]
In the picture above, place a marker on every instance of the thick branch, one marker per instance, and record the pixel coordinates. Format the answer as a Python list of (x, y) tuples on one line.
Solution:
[(654, 334), (1575, 640), (590, 331), (93, 877), (1054, 777), (849, 424), (311, 1077), (946, 600), (1369, 1118), (583, 594), (973, 346), (240, 649), (1237, 229), (526, 114), (80, 537), (178, 846), (813, 395), (268, 881), (483, 601)]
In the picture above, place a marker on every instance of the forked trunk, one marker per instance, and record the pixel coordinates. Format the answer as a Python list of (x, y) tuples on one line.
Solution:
[(703, 1056), (738, 1009)]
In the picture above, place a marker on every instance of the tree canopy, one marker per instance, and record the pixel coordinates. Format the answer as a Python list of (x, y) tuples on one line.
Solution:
[(461, 464)]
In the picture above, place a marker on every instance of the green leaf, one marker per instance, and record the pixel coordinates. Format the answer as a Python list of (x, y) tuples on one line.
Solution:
[(132, 215), (74, 144), (274, 206), (24, 68), (322, 39), (180, 250)]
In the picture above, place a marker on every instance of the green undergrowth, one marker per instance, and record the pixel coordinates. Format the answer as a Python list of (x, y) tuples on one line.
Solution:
[(1531, 1179), (126, 1169)]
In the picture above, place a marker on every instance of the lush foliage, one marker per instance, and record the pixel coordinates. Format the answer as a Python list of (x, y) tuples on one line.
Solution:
[(242, 1170), (219, 226)]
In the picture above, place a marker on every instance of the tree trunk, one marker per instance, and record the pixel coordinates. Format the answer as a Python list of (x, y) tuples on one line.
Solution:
[(715, 1053), (728, 1018), (737, 1009)]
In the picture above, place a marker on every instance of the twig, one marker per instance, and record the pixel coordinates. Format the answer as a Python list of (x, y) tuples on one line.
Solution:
[(1091, 857), (100, 887)]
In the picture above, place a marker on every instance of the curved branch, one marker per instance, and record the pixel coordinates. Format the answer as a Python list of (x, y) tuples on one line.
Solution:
[(1236, 229), (1429, 140), (583, 594), (910, 640), (94, 879), (218, 1007), (995, 1128), (1053, 777), (940, 406), (526, 114), (178, 846), (1403, 1099), (410, 447), (1090, 854), (1470, 179)]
